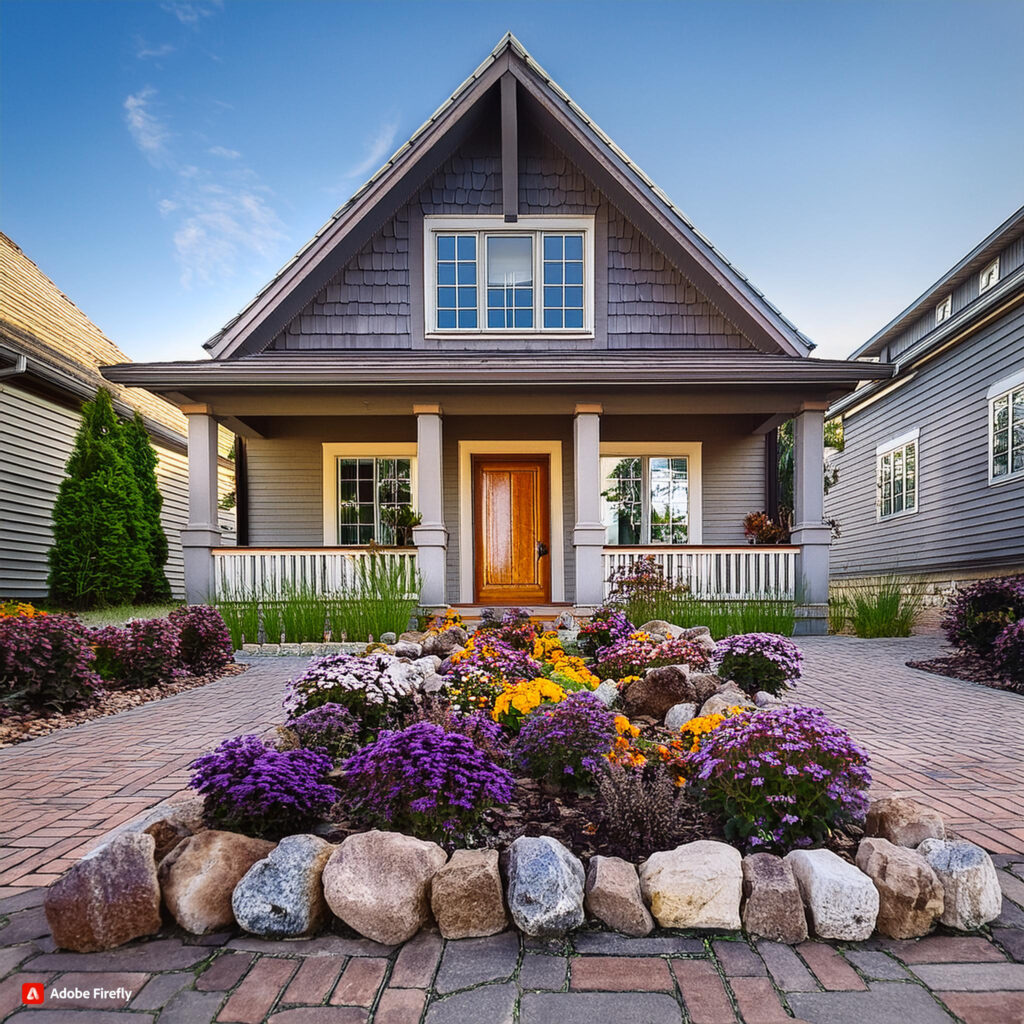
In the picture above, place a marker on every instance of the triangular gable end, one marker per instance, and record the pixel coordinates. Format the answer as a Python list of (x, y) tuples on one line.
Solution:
[(344, 235)]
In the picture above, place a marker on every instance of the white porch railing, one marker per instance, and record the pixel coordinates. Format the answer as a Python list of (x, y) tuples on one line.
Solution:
[(737, 574), (251, 572)]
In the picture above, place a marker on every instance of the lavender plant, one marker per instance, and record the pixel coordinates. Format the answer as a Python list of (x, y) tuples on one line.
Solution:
[(565, 744), (782, 778), (378, 689), (759, 661), (330, 727), (641, 808), (253, 788), (425, 781)]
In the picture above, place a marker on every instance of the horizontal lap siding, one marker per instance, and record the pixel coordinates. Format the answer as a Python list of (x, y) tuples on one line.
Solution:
[(285, 492), (962, 522), (733, 485)]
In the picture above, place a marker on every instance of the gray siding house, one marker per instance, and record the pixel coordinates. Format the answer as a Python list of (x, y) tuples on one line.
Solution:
[(510, 347), (50, 354), (931, 481)]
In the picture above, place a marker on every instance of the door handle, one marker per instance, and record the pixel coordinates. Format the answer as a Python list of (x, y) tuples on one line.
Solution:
[(542, 549)]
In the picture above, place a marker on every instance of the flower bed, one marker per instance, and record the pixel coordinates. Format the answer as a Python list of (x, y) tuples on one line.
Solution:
[(508, 741)]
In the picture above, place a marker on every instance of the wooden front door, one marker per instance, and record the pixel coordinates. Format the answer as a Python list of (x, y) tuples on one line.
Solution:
[(512, 524)]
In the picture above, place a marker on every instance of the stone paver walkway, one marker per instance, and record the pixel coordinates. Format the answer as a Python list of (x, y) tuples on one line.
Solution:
[(954, 745)]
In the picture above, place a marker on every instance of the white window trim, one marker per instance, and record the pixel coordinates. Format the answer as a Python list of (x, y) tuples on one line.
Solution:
[(887, 448), (944, 310), (467, 449), (691, 451), (1002, 388), (333, 452), (982, 287), (487, 224)]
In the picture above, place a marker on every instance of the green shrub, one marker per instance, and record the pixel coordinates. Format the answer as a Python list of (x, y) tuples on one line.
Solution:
[(142, 459), (99, 555), (888, 608)]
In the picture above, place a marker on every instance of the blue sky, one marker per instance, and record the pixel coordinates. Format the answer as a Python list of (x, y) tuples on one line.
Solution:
[(161, 160)]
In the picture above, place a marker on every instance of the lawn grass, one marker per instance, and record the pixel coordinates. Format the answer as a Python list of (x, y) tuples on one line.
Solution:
[(115, 615)]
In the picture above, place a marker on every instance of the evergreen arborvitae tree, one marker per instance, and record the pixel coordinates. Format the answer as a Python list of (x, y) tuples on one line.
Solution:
[(98, 555), (142, 459)]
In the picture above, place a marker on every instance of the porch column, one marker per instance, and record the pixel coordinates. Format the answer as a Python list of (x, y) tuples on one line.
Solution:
[(430, 537), (809, 528), (203, 532), (589, 533)]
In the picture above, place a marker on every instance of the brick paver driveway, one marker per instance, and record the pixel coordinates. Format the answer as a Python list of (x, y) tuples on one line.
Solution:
[(955, 745)]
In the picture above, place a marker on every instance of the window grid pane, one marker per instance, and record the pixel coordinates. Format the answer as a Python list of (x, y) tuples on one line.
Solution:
[(563, 281), (510, 282), (669, 500), (1001, 436), (897, 480), (371, 495), (622, 496), (456, 282)]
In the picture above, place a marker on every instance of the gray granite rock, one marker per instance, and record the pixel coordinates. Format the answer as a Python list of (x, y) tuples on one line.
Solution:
[(282, 896), (608, 693), (841, 900), (972, 896), (679, 714), (545, 887)]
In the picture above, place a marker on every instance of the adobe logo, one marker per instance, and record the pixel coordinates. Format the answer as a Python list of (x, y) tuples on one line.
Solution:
[(32, 993)]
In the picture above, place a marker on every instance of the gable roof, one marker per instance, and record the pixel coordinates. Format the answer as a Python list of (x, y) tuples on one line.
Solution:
[(979, 257), (63, 348), (310, 269)]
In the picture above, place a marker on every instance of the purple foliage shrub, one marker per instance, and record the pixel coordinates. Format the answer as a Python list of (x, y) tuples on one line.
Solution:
[(204, 640), (759, 661), (143, 652), (979, 613), (46, 663), (641, 808), (631, 657), (1008, 654), (605, 628), (782, 778), (253, 788), (331, 727), (565, 744), (426, 782)]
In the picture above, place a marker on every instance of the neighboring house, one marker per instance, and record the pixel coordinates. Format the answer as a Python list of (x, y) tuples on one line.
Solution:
[(931, 480), (50, 354), (512, 332)]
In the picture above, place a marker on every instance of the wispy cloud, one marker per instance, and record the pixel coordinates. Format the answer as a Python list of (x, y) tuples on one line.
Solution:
[(146, 52), (191, 12), (380, 147), (219, 212), (148, 131)]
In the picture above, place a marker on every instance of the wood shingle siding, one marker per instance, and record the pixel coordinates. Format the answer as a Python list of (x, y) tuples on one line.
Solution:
[(962, 521), (649, 303)]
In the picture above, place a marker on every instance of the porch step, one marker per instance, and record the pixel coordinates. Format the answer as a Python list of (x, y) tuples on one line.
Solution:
[(473, 613)]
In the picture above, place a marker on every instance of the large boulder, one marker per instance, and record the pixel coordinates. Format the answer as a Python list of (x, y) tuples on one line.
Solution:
[(613, 896), (727, 698), (679, 714), (466, 895), (109, 897), (972, 896), (545, 887), (773, 908), (841, 900), (910, 895), (442, 644), (407, 649), (379, 884), (282, 896), (657, 691), (903, 822), (199, 875), (705, 685), (659, 630), (696, 885)]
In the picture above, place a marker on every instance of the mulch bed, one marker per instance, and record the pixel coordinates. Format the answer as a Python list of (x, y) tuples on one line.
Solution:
[(21, 727), (970, 667)]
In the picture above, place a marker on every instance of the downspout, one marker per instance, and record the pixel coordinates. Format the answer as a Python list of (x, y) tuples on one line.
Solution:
[(20, 363)]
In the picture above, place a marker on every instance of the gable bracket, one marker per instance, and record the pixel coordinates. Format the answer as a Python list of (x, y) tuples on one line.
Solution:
[(509, 149)]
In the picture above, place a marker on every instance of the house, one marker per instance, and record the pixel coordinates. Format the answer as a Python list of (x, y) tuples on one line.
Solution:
[(931, 481), (511, 332), (50, 354)]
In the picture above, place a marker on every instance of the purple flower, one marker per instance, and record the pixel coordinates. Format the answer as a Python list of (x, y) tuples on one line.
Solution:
[(759, 661)]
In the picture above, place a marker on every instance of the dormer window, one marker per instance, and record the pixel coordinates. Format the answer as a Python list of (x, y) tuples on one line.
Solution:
[(944, 310), (486, 277), (988, 277)]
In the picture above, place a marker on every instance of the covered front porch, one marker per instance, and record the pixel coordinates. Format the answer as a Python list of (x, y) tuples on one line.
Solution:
[(509, 499)]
